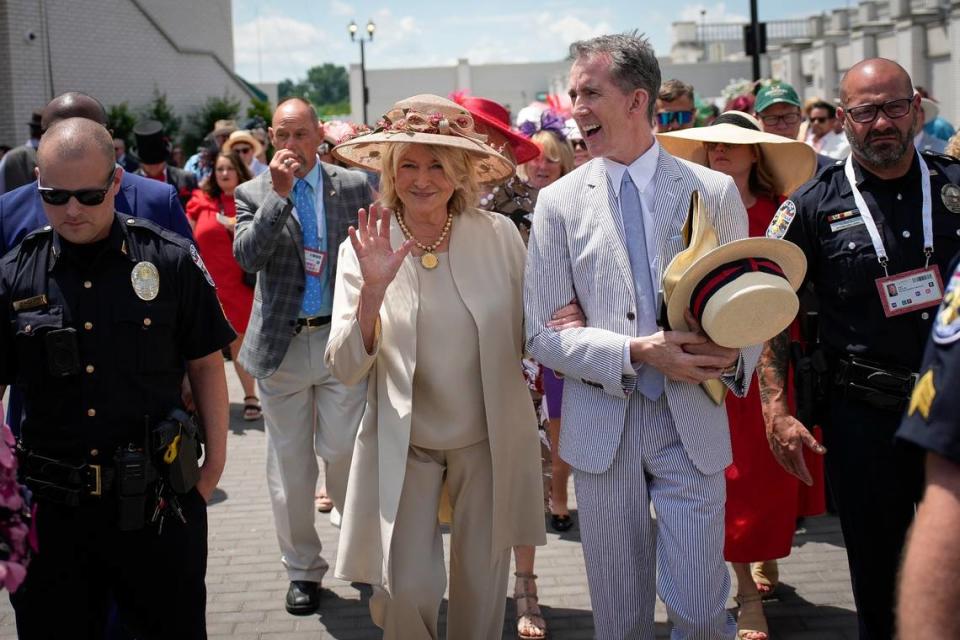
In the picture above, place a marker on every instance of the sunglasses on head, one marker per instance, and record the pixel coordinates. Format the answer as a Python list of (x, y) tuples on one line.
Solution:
[(664, 118), (86, 197), (893, 109)]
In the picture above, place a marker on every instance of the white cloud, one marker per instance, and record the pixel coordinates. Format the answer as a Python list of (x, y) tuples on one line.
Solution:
[(283, 47), (342, 9), (716, 12)]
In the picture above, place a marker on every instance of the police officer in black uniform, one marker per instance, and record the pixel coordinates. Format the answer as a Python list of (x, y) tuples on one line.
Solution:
[(929, 589), (102, 314), (877, 231)]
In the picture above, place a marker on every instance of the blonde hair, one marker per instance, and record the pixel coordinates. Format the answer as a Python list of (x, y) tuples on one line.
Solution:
[(457, 167), (553, 148), (953, 146)]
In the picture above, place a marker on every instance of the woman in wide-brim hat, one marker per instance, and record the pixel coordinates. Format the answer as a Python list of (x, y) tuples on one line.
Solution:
[(428, 309), (763, 500)]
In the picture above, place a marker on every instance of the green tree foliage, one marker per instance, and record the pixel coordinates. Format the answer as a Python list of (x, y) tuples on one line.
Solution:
[(201, 123), (326, 84), (121, 120), (159, 109), (260, 108)]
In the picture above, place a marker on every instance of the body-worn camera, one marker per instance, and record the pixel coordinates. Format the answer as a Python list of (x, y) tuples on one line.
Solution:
[(63, 352)]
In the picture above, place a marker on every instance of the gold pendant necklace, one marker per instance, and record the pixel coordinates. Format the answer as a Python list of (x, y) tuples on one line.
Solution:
[(429, 258)]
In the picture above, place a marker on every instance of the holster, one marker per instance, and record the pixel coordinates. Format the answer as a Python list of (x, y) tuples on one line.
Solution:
[(176, 451)]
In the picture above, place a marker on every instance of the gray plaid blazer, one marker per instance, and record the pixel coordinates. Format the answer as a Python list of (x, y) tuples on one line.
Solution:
[(269, 242)]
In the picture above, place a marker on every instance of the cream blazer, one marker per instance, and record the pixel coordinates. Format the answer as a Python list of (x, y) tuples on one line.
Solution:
[(487, 260)]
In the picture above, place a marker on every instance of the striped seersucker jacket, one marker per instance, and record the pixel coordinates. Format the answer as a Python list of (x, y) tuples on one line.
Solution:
[(577, 251)]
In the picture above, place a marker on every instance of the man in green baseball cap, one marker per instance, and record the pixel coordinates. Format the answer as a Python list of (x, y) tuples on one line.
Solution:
[(777, 107)]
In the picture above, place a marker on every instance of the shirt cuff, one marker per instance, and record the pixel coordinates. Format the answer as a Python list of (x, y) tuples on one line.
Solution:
[(628, 369)]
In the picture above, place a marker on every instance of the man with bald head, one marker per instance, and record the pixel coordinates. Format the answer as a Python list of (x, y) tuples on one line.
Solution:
[(101, 315), (879, 231), (291, 221)]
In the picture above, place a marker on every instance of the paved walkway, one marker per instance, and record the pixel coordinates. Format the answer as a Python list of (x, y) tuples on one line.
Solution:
[(246, 582)]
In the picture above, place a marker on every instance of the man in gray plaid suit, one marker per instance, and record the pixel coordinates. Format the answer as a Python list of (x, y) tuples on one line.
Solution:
[(290, 223)]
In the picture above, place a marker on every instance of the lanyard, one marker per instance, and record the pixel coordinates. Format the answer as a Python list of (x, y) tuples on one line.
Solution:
[(926, 212)]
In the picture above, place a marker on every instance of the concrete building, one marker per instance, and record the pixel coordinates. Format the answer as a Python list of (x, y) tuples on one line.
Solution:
[(117, 51)]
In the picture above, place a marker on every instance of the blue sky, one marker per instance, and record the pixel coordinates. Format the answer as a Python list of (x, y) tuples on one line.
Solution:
[(277, 39)]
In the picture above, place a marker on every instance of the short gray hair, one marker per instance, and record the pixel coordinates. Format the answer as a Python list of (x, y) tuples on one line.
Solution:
[(633, 64)]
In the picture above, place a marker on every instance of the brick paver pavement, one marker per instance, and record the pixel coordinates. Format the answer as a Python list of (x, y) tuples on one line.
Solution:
[(246, 582)]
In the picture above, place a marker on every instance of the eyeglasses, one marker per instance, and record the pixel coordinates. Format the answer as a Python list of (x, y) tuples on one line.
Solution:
[(86, 197), (664, 118), (578, 145), (788, 119), (243, 149), (820, 120), (893, 109)]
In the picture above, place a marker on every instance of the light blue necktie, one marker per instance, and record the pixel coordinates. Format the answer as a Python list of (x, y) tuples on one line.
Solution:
[(305, 201), (649, 380)]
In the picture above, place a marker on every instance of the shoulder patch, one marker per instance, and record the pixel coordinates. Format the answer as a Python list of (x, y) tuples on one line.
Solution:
[(782, 219), (197, 260), (946, 326)]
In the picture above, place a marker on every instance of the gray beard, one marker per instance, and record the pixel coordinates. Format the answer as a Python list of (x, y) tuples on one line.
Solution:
[(885, 156)]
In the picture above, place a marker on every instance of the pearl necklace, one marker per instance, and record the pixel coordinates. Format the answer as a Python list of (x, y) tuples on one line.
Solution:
[(429, 258)]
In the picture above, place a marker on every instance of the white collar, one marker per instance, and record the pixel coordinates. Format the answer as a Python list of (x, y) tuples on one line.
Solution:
[(641, 170)]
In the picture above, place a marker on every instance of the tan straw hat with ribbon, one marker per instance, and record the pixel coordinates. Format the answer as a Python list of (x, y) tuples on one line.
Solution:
[(785, 163), (242, 137), (432, 120), (742, 292)]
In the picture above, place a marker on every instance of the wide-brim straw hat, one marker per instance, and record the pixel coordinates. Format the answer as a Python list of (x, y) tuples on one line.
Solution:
[(930, 109), (239, 137), (430, 120), (743, 292), (786, 163)]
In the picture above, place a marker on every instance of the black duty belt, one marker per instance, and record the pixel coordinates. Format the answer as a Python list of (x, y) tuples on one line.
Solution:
[(882, 386), (315, 321), (64, 482)]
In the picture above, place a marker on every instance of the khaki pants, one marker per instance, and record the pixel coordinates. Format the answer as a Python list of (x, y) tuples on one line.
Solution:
[(478, 576), (307, 413)]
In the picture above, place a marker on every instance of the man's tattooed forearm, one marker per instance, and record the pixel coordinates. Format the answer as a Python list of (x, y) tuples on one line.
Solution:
[(773, 366)]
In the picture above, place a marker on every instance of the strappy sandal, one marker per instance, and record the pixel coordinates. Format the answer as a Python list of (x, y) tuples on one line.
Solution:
[(766, 575), (751, 622), (251, 408), (530, 622)]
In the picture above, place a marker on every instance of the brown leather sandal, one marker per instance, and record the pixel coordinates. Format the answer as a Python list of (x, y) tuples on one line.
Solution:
[(530, 622), (766, 575), (751, 622)]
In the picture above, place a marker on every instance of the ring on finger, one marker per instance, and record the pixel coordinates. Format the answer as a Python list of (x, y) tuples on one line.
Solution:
[(287, 162)]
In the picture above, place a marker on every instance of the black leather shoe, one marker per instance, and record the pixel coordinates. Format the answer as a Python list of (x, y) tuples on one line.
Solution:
[(303, 597)]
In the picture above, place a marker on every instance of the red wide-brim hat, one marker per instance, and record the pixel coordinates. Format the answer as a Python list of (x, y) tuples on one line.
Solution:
[(494, 115)]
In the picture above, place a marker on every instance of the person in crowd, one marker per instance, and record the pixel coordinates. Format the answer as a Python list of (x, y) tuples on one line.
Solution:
[(128, 162), (102, 315), (153, 149), (290, 221), (580, 154), (247, 147), (821, 134), (707, 115), (762, 498), (17, 166), (923, 140), (953, 146), (868, 227), (636, 427), (438, 276), (212, 212), (777, 107), (177, 158), (676, 109), (200, 164), (928, 590), (936, 125)]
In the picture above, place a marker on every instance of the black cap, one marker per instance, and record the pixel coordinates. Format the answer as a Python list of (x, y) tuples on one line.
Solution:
[(152, 145)]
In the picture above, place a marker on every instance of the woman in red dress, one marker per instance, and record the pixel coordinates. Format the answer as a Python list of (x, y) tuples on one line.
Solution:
[(212, 214), (763, 500)]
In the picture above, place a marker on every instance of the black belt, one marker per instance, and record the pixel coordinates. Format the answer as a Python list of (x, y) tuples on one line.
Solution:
[(315, 321), (64, 482), (882, 386)]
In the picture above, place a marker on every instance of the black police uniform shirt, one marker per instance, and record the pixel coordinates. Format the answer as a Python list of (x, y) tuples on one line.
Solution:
[(933, 416), (822, 218), (132, 352)]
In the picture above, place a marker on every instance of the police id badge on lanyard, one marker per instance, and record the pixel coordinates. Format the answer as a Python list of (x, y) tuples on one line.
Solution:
[(910, 290)]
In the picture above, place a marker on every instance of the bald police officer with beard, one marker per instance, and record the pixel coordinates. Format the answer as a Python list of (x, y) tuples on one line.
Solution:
[(879, 231), (100, 316)]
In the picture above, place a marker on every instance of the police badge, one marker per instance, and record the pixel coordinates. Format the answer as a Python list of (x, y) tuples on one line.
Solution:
[(145, 279)]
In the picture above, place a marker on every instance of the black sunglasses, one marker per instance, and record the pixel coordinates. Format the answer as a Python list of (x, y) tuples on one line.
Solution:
[(664, 118), (893, 109), (819, 120), (86, 197), (578, 144)]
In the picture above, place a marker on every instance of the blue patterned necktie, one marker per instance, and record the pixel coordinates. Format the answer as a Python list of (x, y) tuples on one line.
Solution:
[(649, 380), (305, 201)]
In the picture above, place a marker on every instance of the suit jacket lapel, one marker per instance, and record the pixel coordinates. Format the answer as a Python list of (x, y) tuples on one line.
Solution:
[(669, 208), (603, 201), (292, 226), (129, 193)]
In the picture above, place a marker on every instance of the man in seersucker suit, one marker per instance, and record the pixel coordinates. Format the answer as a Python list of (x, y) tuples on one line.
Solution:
[(637, 428)]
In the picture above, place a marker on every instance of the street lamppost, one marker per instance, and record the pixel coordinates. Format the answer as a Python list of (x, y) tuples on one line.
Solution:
[(353, 28)]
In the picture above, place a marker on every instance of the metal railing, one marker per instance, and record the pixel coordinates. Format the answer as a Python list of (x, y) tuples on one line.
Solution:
[(776, 30)]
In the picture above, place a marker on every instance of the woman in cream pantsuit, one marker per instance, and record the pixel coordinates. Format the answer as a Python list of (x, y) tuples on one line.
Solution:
[(428, 308)]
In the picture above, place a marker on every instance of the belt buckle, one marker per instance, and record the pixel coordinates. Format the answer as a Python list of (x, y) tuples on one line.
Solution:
[(97, 478)]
